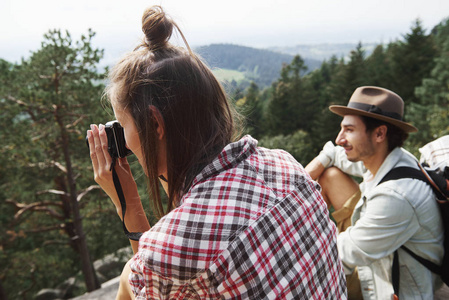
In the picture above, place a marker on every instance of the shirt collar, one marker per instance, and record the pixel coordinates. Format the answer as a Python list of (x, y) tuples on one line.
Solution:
[(390, 162), (230, 156)]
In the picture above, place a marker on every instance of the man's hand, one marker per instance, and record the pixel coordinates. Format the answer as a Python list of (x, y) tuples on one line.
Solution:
[(315, 168)]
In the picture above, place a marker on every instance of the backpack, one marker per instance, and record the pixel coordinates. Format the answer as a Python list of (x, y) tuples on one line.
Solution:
[(434, 170)]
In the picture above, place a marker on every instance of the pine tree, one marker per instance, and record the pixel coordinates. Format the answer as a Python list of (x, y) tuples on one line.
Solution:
[(252, 110), (378, 68), (431, 112), (47, 103), (326, 82), (286, 107), (412, 60)]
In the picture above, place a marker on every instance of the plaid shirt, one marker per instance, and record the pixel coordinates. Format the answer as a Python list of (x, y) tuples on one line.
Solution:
[(252, 226)]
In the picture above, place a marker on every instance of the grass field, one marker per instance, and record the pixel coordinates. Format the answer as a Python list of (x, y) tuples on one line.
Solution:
[(228, 75)]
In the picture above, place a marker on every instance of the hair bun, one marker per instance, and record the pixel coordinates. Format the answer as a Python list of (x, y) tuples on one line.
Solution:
[(157, 27)]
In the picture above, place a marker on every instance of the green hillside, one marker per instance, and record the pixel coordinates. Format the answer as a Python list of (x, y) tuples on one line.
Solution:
[(258, 65), (229, 75)]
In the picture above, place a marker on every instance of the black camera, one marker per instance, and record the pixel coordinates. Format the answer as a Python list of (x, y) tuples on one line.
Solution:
[(116, 140)]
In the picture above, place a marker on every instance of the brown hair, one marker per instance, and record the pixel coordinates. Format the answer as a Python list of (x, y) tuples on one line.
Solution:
[(395, 136), (198, 120)]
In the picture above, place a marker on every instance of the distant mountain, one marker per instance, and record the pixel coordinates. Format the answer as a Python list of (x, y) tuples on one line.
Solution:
[(258, 65), (245, 64), (323, 51)]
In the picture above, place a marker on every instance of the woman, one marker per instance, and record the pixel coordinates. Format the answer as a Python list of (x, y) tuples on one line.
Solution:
[(241, 221)]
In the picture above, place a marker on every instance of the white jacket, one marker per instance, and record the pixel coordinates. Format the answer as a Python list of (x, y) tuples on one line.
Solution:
[(395, 213)]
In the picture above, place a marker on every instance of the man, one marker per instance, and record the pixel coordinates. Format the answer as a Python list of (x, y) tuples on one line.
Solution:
[(376, 220)]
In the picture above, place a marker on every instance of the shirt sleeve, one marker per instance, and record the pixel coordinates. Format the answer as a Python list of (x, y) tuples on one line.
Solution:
[(146, 284), (387, 223), (136, 279), (335, 156)]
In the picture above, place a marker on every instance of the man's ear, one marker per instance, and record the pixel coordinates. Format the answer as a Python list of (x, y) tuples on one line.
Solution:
[(159, 122), (380, 133)]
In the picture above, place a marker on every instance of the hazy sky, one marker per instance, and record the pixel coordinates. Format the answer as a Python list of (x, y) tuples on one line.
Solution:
[(256, 23)]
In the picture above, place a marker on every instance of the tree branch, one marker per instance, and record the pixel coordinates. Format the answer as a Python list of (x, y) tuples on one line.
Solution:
[(52, 163), (42, 206), (86, 191), (41, 203), (80, 118), (45, 229), (59, 166), (21, 103), (48, 210), (29, 108), (52, 191), (54, 242)]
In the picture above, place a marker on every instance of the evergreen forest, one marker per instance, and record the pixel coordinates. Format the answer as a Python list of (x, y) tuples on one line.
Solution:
[(56, 221)]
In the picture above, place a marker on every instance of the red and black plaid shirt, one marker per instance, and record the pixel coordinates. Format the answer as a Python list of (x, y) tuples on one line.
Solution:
[(252, 226)]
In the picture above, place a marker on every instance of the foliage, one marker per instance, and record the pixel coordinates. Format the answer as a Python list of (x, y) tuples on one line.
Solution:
[(287, 107), (415, 67), (411, 61), (48, 101), (297, 144), (431, 113), (250, 106)]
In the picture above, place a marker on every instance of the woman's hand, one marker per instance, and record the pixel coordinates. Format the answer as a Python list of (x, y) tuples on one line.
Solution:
[(101, 162), (135, 218)]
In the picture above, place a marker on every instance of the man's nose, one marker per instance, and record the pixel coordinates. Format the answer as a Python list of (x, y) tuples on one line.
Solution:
[(340, 138)]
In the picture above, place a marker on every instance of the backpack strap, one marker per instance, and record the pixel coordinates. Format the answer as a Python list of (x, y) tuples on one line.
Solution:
[(438, 183), (434, 268), (404, 172), (408, 172), (395, 274)]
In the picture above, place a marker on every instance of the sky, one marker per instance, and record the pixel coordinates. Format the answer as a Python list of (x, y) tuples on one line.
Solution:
[(254, 23)]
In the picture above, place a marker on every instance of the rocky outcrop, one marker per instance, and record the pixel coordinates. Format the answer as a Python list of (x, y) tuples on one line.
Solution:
[(108, 270), (108, 291)]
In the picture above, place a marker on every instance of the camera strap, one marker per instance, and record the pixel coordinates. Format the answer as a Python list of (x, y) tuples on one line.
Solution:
[(135, 236)]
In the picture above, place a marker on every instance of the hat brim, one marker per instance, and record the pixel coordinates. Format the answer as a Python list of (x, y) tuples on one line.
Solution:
[(344, 110)]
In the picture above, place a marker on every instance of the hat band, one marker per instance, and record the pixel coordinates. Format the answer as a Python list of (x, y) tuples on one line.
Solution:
[(374, 109)]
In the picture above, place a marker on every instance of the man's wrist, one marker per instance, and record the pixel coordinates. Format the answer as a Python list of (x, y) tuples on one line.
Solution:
[(327, 154)]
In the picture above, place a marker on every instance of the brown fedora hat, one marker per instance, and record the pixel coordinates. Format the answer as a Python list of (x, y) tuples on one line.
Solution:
[(377, 103)]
